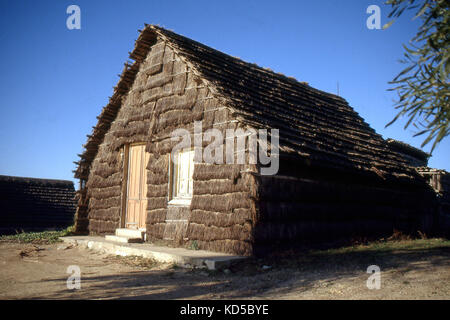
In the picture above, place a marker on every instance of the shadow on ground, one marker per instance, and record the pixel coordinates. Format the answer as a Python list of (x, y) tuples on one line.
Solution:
[(283, 273)]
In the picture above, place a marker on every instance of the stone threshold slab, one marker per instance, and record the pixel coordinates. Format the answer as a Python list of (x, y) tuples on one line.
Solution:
[(179, 256)]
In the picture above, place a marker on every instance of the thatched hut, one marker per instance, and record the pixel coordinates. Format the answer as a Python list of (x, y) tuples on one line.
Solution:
[(31, 204), (337, 177)]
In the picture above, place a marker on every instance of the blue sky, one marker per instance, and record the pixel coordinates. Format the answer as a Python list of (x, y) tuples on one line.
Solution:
[(54, 81)]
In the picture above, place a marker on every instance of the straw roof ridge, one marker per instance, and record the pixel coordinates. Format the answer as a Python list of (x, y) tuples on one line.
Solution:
[(406, 147)]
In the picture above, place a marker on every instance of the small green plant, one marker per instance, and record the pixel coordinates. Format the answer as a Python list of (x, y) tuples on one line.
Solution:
[(44, 237), (194, 245)]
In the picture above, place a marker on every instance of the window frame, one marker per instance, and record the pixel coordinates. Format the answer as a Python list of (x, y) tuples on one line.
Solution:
[(174, 181)]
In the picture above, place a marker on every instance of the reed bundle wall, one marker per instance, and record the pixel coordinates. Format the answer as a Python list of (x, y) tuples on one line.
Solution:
[(29, 204), (223, 208), (306, 205)]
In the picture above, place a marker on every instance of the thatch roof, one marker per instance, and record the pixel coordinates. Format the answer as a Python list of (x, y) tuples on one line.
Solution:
[(319, 127), (408, 149), (35, 204)]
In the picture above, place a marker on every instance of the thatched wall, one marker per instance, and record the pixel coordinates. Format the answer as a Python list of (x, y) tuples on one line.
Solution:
[(30, 204), (223, 208), (160, 77), (304, 204), (82, 213)]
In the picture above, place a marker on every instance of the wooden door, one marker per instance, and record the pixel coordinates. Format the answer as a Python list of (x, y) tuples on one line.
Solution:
[(137, 187)]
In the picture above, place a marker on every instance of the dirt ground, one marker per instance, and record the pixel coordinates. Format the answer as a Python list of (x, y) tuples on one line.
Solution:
[(40, 272)]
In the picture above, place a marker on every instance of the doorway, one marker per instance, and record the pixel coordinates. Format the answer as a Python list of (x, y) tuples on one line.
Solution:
[(136, 200)]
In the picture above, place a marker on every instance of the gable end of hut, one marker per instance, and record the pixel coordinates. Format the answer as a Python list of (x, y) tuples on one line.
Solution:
[(167, 94)]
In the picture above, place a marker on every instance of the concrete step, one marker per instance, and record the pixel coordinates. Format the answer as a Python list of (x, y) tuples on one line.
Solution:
[(122, 239), (130, 233), (180, 256)]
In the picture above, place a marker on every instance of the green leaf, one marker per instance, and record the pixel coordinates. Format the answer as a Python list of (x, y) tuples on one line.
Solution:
[(422, 10), (423, 86), (387, 25)]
